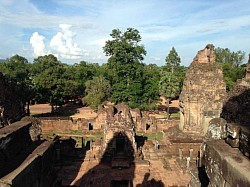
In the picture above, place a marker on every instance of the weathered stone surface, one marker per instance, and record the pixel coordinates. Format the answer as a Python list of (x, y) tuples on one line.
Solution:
[(119, 129), (237, 104), (143, 122), (217, 129), (35, 170), (35, 130), (13, 139), (225, 165), (244, 143), (247, 77), (203, 92)]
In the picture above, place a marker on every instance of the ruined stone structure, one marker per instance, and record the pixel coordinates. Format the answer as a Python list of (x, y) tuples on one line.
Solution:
[(203, 92), (236, 106), (226, 149), (142, 121), (119, 125), (124, 157), (23, 162), (11, 108)]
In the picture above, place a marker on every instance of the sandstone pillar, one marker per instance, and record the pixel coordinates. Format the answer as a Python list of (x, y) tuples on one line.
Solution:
[(83, 143), (191, 154), (180, 153), (188, 162)]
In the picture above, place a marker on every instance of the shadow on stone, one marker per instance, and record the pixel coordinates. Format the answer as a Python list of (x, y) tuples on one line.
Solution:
[(116, 166), (150, 182), (204, 180)]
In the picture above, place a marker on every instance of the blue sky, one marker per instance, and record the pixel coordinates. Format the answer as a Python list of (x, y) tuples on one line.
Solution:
[(76, 30)]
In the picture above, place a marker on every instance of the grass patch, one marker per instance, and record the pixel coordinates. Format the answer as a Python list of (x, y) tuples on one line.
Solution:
[(87, 135), (153, 136), (173, 115)]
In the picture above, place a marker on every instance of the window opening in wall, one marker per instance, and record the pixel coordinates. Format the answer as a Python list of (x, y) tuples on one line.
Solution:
[(90, 127)]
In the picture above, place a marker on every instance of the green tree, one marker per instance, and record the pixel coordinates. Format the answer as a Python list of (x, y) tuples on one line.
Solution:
[(225, 56), (232, 65), (151, 88), (173, 60), (125, 46), (172, 76), (169, 85), (97, 90), (83, 72), (17, 70), (125, 70), (49, 79)]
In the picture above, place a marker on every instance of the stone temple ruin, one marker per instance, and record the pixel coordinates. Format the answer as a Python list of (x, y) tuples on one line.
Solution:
[(223, 156), (208, 146), (203, 92)]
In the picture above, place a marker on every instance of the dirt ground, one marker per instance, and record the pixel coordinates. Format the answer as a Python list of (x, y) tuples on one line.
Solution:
[(85, 112), (78, 112), (40, 109)]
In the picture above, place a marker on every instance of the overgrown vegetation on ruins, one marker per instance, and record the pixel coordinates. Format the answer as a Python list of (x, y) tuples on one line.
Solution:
[(124, 78)]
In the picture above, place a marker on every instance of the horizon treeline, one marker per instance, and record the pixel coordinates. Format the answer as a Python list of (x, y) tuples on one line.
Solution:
[(124, 78)]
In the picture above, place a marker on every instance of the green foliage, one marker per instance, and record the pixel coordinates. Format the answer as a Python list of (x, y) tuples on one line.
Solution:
[(225, 56), (17, 70), (83, 72), (173, 60), (125, 70), (152, 136), (124, 47), (232, 74), (49, 78), (173, 75), (151, 80), (97, 90), (169, 85), (231, 64), (123, 79)]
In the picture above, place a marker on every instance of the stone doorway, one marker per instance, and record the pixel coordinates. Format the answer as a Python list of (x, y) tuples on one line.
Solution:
[(120, 144)]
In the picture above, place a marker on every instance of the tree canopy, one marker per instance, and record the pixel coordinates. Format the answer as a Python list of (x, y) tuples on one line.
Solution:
[(124, 78), (126, 72), (232, 64), (97, 91), (173, 75)]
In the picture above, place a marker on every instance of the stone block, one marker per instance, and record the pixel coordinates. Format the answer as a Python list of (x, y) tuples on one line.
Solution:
[(35, 170), (217, 129), (244, 143), (224, 163), (13, 139)]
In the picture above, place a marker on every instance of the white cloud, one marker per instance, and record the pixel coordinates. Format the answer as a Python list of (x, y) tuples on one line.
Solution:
[(63, 44), (37, 42), (161, 25)]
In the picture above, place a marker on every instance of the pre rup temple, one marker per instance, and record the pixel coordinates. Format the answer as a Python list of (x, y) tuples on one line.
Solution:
[(208, 145)]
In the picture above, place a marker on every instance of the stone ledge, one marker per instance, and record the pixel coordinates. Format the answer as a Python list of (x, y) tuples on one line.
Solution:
[(226, 165), (32, 168), (8, 130)]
